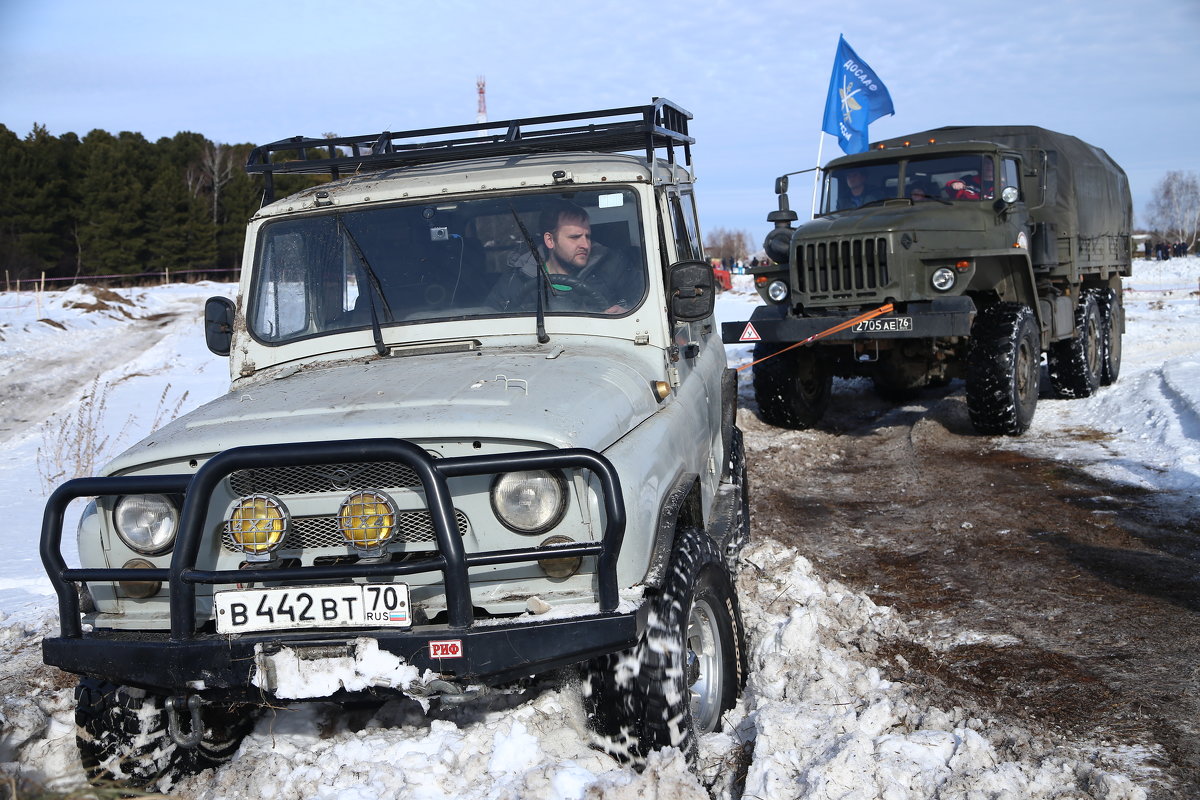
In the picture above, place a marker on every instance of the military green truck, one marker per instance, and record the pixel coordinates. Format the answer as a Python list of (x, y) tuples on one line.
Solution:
[(444, 464), (960, 252)]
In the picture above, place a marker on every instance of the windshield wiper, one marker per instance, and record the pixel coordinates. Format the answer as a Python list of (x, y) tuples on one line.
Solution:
[(377, 291), (542, 279)]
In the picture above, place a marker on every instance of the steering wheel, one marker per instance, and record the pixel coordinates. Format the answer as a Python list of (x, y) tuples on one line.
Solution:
[(585, 295)]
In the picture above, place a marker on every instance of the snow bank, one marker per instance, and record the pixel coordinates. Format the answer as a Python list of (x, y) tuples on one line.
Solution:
[(818, 720)]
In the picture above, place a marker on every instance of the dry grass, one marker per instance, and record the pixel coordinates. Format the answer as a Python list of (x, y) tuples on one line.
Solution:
[(16, 788), (75, 444)]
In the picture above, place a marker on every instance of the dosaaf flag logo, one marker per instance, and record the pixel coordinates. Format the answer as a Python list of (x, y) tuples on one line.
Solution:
[(856, 99)]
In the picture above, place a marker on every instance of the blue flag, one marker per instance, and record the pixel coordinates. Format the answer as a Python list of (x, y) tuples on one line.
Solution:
[(856, 98)]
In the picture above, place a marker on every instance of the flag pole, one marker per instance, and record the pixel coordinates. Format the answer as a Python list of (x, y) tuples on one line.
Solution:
[(817, 175)]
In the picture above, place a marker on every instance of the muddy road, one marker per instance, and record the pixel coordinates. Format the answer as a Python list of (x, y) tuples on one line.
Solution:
[(1037, 592)]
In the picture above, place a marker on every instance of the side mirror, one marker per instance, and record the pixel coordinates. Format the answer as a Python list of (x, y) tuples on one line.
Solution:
[(218, 324), (692, 290)]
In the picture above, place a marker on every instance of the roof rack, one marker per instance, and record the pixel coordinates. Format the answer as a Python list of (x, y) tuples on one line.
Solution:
[(662, 124)]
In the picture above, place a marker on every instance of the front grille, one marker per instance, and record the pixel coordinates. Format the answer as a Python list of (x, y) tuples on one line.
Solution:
[(843, 268), (313, 532), (323, 478)]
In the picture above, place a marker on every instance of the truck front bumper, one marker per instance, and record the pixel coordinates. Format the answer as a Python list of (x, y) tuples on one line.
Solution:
[(232, 666), (938, 318)]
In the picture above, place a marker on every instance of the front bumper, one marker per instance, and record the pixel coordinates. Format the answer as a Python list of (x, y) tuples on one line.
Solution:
[(226, 666), (942, 317), (189, 656)]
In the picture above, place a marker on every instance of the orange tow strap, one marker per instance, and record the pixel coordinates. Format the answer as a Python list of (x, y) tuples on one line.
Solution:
[(841, 326)]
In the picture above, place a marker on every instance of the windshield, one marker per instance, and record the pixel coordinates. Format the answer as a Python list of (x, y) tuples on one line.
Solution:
[(955, 177), (406, 264)]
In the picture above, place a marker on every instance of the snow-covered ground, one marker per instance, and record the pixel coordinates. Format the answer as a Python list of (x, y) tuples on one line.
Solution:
[(817, 720)]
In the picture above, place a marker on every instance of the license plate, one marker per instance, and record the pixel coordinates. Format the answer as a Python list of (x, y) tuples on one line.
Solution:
[(291, 607), (883, 325)]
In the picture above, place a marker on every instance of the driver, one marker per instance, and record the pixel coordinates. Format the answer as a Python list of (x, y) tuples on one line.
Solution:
[(567, 250), (974, 186)]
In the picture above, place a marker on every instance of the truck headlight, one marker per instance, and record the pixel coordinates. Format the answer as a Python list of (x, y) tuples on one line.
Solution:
[(943, 279), (146, 522), (257, 523), (777, 291), (531, 501)]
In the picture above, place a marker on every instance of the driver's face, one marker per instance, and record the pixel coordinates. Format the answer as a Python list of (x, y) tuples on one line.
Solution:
[(570, 245)]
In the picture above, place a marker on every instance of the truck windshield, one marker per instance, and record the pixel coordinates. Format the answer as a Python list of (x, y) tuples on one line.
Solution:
[(451, 260), (952, 177)]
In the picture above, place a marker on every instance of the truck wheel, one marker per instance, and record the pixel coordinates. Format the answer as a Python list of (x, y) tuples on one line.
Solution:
[(687, 669), (1003, 369), (792, 389), (1112, 321), (1075, 364), (122, 735)]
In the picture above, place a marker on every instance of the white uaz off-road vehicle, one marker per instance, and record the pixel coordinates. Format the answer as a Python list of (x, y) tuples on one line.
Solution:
[(480, 427)]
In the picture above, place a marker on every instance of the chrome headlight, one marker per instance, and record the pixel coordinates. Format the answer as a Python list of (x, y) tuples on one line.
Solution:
[(146, 522), (257, 524), (943, 279), (777, 291), (367, 520), (532, 501)]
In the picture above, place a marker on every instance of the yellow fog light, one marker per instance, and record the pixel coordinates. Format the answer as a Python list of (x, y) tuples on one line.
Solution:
[(139, 590), (257, 524), (367, 520), (560, 567)]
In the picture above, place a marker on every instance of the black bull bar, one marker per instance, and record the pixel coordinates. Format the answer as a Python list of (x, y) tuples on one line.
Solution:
[(495, 651)]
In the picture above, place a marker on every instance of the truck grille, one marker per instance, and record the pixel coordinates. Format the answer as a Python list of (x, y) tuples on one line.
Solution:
[(843, 268), (414, 527), (323, 478)]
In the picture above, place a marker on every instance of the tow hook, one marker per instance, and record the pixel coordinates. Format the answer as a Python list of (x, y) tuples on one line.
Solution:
[(175, 705)]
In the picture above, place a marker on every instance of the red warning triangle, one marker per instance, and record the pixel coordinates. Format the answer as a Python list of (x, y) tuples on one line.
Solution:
[(749, 334)]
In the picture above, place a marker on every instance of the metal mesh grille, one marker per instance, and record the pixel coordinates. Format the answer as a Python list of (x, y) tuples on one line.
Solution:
[(315, 479), (847, 267), (313, 532)]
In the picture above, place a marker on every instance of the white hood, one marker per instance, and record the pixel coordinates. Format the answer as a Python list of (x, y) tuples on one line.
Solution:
[(515, 394)]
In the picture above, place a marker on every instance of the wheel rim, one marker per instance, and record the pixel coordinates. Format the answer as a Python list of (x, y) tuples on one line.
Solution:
[(704, 667), (1092, 346), (1026, 375)]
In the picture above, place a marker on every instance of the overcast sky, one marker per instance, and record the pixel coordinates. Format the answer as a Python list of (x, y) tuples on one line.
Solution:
[(1121, 74)]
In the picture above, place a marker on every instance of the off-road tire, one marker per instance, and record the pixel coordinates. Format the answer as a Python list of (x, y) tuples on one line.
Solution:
[(122, 735), (1003, 369), (792, 389), (1075, 365), (1112, 324), (687, 669)]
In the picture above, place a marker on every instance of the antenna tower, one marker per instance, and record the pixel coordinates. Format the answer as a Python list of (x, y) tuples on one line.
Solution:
[(481, 87)]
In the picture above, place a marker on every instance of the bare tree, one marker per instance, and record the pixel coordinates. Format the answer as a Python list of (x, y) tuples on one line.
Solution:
[(723, 243), (216, 167), (1175, 210)]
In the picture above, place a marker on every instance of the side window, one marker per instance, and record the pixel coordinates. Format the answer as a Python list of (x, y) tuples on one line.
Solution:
[(1011, 175), (693, 228), (687, 231)]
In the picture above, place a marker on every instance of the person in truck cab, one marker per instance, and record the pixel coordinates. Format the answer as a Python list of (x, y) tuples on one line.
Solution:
[(975, 185), (567, 250), (856, 193)]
